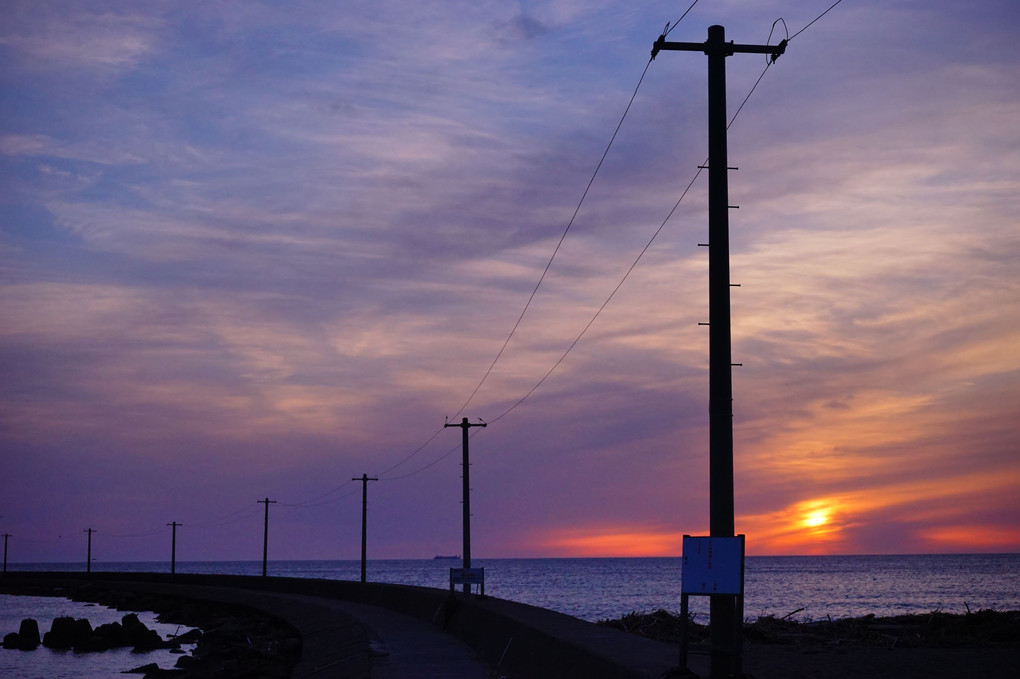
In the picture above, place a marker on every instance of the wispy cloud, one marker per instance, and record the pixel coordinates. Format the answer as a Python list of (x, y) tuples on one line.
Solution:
[(281, 244)]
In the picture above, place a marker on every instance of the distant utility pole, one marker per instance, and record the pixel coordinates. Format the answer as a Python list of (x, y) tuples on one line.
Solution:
[(88, 558), (364, 478), (722, 607), (265, 534), (6, 535), (465, 425), (173, 546)]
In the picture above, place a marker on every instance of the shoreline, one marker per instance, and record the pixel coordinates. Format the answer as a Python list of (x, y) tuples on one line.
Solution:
[(235, 640), (549, 644)]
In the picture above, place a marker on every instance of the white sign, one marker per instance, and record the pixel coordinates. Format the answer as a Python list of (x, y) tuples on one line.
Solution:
[(713, 565)]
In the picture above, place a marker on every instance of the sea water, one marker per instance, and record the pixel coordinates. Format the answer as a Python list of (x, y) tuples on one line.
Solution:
[(66, 664), (594, 589)]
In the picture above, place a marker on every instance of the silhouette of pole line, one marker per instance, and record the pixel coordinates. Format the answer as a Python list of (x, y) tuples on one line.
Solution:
[(6, 535), (88, 557), (265, 535), (173, 546), (725, 654), (465, 426), (364, 478)]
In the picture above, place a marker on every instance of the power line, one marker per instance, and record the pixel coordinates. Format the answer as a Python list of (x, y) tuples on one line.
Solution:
[(669, 29), (227, 519), (563, 237), (815, 19), (632, 266), (545, 271), (314, 502), (616, 289), (416, 450)]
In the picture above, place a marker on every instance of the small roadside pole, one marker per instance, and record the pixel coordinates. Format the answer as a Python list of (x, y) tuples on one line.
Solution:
[(173, 547), (265, 534), (465, 426), (88, 558), (364, 478), (6, 535)]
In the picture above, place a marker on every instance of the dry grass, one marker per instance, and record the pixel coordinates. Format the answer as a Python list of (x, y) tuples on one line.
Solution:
[(982, 629)]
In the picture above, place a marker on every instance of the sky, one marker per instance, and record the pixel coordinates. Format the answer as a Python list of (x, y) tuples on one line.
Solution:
[(253, 250)]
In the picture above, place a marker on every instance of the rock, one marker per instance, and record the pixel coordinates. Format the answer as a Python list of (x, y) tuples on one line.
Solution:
[(139, 636), (94, 644), (143, 669), (29, 633), (61, 634), (113, 634), (12, 640), (81, 634), (189, 637), (131, 621), (147, 641), (66, 632)]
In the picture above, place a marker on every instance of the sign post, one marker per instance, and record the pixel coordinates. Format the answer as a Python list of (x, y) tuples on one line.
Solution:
[(714, 567)]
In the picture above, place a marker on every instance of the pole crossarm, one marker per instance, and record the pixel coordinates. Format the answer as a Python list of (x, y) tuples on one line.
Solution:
[(727, 49)]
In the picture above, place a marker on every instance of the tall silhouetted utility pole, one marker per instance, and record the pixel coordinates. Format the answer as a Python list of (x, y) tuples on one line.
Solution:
[(465, 425), (173, 546), (88, 558), (722, 607), (364, 478), (265, 534), (6, 535)]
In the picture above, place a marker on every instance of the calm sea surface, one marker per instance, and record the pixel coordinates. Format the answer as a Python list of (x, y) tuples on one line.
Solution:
[(52, 664), (838, 586)]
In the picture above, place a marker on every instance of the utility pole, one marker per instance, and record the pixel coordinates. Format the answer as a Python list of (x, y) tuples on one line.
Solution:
[(365, 478), (6, 535), (88, 558), (173, 546), (265, 534), (465, 426), (721, 523)]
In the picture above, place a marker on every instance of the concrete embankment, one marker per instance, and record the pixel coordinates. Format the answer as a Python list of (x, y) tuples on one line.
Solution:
[(337, 620)]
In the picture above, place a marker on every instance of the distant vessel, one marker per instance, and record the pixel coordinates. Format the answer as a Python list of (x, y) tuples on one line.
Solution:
[(440, 556)]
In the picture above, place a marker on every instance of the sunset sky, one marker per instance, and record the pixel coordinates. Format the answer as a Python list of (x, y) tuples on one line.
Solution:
[(255, 249)]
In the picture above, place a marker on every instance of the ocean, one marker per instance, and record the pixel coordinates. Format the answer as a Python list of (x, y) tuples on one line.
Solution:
[(594, 589)]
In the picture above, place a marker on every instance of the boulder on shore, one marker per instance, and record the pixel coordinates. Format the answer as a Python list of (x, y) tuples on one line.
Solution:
[(12, 641), (26, 638), (139, 636), (29, 633), (66, 632), (143, 669)]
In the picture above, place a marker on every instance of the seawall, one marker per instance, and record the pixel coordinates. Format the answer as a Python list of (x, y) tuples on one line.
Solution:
[(519, 640)]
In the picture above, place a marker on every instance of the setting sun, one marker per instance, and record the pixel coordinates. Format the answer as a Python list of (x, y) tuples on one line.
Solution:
[(816, 518)]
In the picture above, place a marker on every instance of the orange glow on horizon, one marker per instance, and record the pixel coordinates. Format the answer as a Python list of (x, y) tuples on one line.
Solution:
[(973, 538), (615, 541)]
